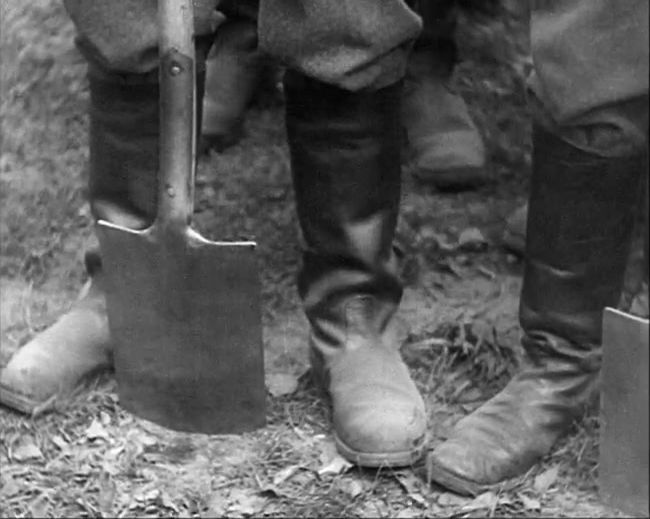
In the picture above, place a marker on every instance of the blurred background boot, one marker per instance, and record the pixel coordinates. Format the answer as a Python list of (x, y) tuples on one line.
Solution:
[(58, 359), (234, 70), (345, 160), (445, 145)]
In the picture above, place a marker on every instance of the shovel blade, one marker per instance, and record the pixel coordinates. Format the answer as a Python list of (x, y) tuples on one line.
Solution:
[(185, 319), (623, 467)]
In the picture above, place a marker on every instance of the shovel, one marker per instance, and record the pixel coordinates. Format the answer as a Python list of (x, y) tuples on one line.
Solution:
[(623, 467), (184, 312), (624, 421)]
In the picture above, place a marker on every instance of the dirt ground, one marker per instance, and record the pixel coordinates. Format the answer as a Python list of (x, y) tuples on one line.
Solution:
[(88, 457)]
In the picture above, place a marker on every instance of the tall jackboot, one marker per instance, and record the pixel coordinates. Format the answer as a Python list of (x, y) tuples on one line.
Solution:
[(446, 146), (122, 189), (581, 214), (345, 159)]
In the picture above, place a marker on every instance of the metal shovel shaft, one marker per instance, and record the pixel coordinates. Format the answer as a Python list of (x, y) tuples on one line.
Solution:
[(177, 113)]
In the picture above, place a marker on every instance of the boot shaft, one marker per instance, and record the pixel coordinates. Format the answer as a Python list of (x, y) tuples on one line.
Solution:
[(580, 220)]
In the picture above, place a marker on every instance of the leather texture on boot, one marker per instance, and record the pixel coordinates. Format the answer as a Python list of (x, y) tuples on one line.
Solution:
[(581, 214), (514, 235), (445, 144), (57, 360), (234, 68), (346, 170), (378, 414), (123, 143)]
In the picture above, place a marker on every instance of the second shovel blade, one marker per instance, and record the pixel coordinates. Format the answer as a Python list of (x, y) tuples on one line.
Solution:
[(185, 319)]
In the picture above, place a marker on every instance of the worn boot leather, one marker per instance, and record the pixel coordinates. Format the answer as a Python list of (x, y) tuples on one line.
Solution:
[(57, 360), (346, 169), (514, 235), (234, 69), (581, 214)]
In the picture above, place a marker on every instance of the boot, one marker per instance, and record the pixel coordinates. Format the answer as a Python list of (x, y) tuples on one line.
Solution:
[(446, 147), (122, 189), (57, 360), (581, 214), (514, 235), (234, 69), (345, 160)]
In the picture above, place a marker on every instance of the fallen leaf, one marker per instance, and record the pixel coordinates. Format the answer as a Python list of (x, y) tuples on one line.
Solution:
[(327, 449), (448, 499), (408, 513), (472, 239), (60, 442), (245, 503), (9, 488), (428, 235), (283, 475), (27, 450), (486, 500), (165, 500), (96, 431), (281, 384), (546, 479), (217, 506), (106, 496), (38, 507), (529, 502), (151, 495), (352, 487), (104, 418), (413, 486), (337, 465)]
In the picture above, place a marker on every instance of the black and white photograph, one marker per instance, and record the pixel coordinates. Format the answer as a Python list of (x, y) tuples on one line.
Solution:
[(324, 258)]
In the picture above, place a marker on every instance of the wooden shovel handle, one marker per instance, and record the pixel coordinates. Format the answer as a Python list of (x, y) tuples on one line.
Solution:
[(177, 113)]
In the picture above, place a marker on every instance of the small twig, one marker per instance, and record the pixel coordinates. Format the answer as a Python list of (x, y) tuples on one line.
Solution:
[(44, 407)]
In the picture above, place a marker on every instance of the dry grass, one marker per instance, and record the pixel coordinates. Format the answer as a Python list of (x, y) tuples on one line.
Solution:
[(88, 457)]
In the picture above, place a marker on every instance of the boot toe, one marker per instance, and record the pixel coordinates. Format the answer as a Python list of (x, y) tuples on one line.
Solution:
[(381, 434), (466, 467)]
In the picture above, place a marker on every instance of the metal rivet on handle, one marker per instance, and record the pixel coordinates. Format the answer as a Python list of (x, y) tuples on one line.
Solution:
[(175, 69)]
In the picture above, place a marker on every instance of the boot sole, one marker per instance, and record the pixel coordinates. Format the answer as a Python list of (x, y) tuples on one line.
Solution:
[(19, 401), (381, 459)]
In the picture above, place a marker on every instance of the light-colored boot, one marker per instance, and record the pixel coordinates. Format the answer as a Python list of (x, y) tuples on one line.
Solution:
[(345, 158), (57, 360), (233, 72)]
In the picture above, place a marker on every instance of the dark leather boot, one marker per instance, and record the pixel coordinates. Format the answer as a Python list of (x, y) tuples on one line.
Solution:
[(346, 168), (581, 213), (122, 189)]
